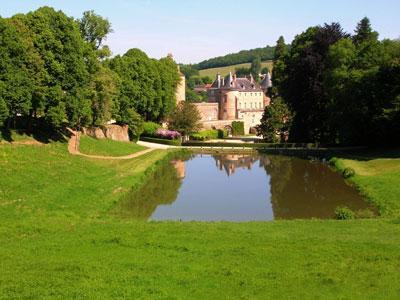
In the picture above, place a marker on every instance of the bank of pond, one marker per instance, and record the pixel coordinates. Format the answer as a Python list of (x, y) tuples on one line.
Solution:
[(242, 187)]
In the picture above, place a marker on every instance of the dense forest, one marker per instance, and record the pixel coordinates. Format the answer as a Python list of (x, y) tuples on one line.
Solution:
[(340, 88), (56, 71), (244, 56)]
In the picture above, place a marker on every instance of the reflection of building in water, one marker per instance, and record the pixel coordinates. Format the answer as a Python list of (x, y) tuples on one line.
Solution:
[(180, 168), (230, 162)]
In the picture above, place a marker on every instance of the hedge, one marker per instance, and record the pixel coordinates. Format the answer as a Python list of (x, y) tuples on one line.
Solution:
[(150, 128), (160, 141), (209, 134), (251, 145), (237, 128)]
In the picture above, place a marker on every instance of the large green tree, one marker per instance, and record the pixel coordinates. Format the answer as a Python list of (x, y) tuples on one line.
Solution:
[(275, 122), (185, 118), (303, 86)]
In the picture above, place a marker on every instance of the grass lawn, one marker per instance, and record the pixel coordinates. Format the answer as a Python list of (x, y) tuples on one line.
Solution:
[(225, 70), (107, 147), (59, 240), (377, 177)]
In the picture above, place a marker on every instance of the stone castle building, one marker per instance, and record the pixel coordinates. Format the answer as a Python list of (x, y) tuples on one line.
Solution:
[(235, 99)]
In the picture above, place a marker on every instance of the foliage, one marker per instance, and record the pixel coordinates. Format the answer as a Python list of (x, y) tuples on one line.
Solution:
[(275, 122), (134, 121), (147, 85), (348, 172), (242, 72), (342, 89), (244, 56), (278, 71), (94, 28), (237, 128), (175, 142), (150, 128), (344, 213), (3, 112), (205, 135), (107, 147), (255, 68), (185, 118)]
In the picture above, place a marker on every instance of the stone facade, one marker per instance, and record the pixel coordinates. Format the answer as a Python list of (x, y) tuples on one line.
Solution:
[(236, 99), (180, 93)]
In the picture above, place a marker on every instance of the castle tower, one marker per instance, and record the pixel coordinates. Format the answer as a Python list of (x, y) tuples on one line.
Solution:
[(180, 93)]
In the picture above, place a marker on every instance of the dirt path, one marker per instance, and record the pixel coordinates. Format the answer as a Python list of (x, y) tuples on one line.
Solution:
[(73, 148)]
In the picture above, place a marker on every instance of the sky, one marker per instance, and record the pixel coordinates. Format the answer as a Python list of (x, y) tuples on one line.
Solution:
[(195, 30)]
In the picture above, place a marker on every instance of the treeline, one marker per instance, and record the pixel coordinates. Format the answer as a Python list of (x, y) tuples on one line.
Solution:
[(57, 69), (341, 88), (244, 56)]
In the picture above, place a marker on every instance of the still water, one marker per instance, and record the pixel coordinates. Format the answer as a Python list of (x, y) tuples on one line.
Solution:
[(240, 188)]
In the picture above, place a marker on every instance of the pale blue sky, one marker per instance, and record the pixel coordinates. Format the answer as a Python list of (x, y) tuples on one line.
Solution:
[(196, 30)]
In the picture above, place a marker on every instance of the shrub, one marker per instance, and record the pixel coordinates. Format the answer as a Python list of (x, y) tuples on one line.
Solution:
[(150, 128), (222, 133), (348, 172), (167, 134), (205, 135), (161, 141), (237, 128), (333, 161), (343, 213)]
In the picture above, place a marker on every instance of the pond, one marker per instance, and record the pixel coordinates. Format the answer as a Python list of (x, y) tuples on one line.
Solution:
[(240, 187)]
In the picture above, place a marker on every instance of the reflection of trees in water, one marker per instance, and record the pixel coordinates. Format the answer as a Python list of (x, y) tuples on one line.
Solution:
[(302, 189), (161, 188), (230, 162)]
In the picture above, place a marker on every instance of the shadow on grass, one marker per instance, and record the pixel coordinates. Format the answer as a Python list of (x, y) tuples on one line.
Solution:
[(39, 132), (371, 153)]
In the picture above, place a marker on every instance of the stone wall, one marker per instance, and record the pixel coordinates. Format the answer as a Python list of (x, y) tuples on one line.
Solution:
[(113, 132), (207, 110)]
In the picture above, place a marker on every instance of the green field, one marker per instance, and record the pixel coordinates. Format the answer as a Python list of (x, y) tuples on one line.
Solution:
[(59, 240), (377, 177), (107, 147), (225, 70)]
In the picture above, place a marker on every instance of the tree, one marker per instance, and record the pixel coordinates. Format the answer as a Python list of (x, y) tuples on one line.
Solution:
[(103, 90), (275, 122), (242, 72), (255, 68), (94, 28), (20, 68), (364, 32), (135, 122), (146, 85), (278, 71), (303, 88), (185, 118), (3, 112)]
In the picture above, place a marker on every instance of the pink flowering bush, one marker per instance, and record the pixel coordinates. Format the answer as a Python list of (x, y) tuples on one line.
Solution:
[(167, 134)]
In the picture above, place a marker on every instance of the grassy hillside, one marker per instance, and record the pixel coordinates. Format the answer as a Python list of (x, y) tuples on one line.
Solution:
[(59, 239), (225, 70), (107, 147), (377, 176)]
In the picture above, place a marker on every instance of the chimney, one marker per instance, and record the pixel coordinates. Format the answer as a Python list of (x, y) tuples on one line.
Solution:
[(234, 78), (219, 80)]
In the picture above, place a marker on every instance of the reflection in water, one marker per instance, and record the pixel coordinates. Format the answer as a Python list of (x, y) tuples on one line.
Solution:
[(161, 188), (240, 188)]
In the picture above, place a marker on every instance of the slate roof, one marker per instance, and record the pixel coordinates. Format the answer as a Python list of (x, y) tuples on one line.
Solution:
[(238, 84)]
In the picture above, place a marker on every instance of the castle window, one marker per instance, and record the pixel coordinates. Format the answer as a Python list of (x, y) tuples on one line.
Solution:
[(240, 104)]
